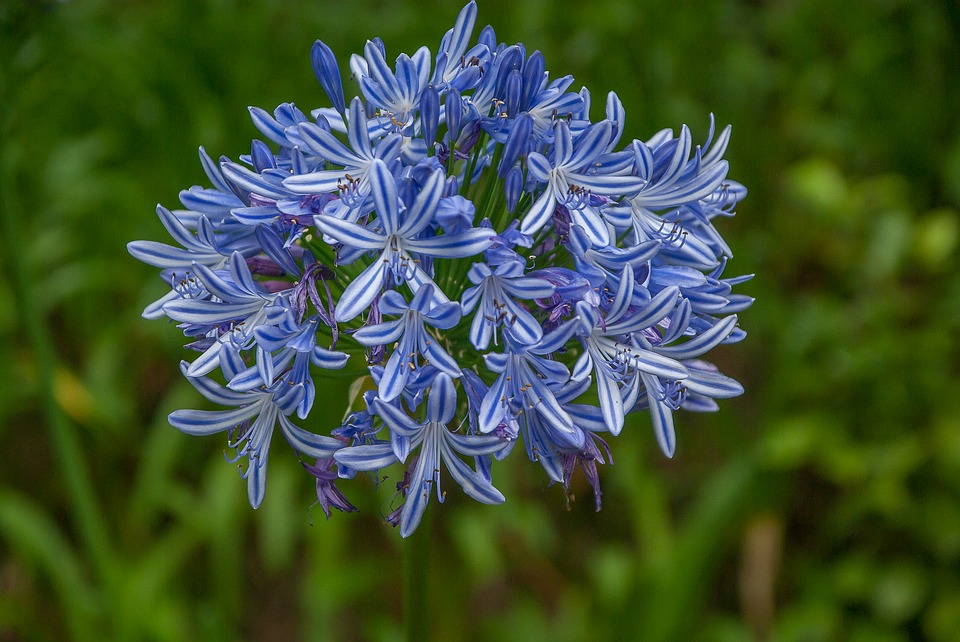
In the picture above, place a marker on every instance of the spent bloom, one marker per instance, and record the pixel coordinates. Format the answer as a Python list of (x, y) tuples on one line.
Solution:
[(488, 263)]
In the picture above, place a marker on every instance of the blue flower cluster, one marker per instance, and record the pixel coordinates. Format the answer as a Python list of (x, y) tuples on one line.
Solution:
[(490, 264)]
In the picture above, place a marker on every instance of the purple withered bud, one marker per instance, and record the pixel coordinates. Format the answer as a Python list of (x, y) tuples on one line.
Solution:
[(328, 495), (263, 266), (468, 136), (375, 353), (561, 221), (277, 286), (328, 73), (587, 457)]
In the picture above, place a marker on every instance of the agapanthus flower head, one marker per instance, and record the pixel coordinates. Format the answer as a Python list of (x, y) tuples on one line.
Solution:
[(481, 256)]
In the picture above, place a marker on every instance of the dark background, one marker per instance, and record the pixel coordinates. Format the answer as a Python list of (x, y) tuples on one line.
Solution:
[(824, 504)]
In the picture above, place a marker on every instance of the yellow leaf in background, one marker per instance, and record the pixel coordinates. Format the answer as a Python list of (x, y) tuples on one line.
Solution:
[(72, 395)]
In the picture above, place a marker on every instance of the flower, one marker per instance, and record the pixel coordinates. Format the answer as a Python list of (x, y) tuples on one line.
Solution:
[(251, 423), (511, 270), (328, 495), (438, 444)]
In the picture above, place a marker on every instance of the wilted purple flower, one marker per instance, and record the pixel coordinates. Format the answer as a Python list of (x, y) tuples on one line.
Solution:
[(328, 495)]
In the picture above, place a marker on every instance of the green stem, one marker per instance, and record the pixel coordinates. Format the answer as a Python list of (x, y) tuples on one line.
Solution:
[(416, 582), (71, 462)]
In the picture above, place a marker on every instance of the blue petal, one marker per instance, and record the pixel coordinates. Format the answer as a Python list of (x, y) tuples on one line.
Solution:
[(273, 246), (255, 215), (493, 408), (523, 326), (208, 422), (540, 212), (213, 391), (408, 78), (213, 171), (202, 312), (350, 233), (328, 359), (712, 384), (251, 182), (429, 115), (439, 358), (655, 364), (380, 334), (357, 131), (444, 316), (395, 375), (442, 402), (481, 331), (370, 457), (590, 144), (241, 275), (209, 201), (206, 362), (655, 310), (248, 379), (269, 126), (308, 443), (562, 144), (606, 184), (418, 495), (361, 292), (472, 483), (529, 288), (178, 231), (383, 187), (517, 143), (455, 41), (320, 142), (379, 71), (558, 337), (538, 167), (583, 367), (453, 246), (398, 420), (165, 256), (617, 114), (702, 343), (476, 445), (542, 398), (624, 296), (421, 213), (662, 419), (256, 481), (611, 404), (220, 287)]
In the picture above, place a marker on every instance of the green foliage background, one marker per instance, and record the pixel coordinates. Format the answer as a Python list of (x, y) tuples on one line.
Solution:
[(822, 505)]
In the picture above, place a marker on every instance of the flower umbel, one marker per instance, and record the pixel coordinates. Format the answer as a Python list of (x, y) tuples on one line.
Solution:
[(476, 252)]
